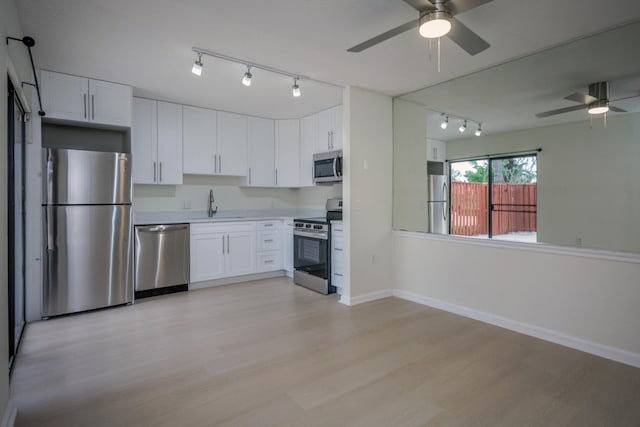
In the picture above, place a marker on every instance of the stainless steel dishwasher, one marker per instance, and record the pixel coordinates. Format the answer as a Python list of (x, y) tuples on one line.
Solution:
[(162, 259)]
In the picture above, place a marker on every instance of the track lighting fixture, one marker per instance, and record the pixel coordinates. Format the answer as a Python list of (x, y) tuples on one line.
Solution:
[(246, 79), (445, 122), (295, 89), (479, 130), (197, 67), (247, 76), (463, 127)]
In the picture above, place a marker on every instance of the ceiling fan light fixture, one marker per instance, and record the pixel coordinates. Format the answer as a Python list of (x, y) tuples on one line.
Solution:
[(435, 24), (246, 79), (197, 67), (598, 107)]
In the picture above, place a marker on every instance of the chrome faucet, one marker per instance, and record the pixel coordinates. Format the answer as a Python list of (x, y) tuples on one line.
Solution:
[(210, 209)]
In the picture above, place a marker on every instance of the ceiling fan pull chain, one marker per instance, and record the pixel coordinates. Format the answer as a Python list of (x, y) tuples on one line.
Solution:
[(439, 54), (429, 50)]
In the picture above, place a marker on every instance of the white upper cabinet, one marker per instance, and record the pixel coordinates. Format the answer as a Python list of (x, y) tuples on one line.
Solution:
[(199, 139), (169, 143), (329, 130), (287, 153), (79, 99), (308, 144), (232, 144), (144, 141), (436, 150), (261, 135), (156, 142)]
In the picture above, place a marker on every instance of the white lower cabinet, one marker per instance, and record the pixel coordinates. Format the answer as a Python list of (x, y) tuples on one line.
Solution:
[(222, 250), (269, 252), (287, 246), (337, 255)]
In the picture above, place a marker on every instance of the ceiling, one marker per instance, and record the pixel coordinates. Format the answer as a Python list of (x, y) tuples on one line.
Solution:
[(147, 44)]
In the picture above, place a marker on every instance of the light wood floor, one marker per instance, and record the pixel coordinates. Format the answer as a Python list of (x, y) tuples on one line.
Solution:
[(269, 353)]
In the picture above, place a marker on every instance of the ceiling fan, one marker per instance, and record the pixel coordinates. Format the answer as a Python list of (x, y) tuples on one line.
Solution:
[(436, 20), (597, 102)]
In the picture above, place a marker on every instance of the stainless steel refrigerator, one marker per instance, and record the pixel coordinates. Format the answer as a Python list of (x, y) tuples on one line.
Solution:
[(87, 233), (438, 204)]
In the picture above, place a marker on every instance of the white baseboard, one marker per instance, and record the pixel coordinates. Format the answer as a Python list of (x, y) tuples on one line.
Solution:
[(236, 279), (608, 352), (371, 296), (10, 414)]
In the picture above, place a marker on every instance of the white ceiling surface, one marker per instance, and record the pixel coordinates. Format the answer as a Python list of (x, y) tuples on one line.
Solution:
[(147, 43), (508, 96)]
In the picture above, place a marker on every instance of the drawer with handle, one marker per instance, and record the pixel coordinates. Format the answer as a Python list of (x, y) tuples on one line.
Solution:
[(269, 261), (268, 240)]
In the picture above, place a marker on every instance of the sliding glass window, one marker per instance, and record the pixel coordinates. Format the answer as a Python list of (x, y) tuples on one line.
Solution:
[(495, 198)]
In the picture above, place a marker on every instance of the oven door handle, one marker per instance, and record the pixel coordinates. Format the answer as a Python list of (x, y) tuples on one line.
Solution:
[(312, 235)]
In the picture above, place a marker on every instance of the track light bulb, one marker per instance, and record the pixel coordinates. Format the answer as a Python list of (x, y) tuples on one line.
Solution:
[(246, 79), (295, 89), (197, 67), (445, 122), (479, 130), (463, 127)]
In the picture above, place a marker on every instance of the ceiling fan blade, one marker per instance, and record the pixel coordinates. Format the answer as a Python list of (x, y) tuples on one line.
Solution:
[(384, 36), (581, 98), (465, 38), (459, 6), (420, 5), (617, 110), (560, 111)]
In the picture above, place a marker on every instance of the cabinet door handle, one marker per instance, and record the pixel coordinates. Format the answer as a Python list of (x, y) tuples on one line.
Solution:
[(222, 245), (338, 274), (228, 246), (276, 176), (268, 241), (220, 163), (337, 249), (269, 261), (93, 108), (84, 103), (154, 172), (268, 225), (328, 140), (249, 176), (160, 172)]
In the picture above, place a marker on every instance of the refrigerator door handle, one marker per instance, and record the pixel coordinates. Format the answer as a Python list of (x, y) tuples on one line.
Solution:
[(49, 221), (445, 196)]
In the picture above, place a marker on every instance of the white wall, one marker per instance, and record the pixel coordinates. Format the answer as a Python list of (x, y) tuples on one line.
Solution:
[(229, 195), (368, 158), (588, 179), (16, 52), (580, 301), (410, 183)]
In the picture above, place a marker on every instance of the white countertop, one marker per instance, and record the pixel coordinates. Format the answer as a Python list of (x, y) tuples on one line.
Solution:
[(188, 216)]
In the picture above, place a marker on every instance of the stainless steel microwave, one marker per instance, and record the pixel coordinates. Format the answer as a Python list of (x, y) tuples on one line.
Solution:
[(327, 167)]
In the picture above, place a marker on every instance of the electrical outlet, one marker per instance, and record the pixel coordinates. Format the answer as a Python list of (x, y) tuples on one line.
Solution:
[(186, 204)]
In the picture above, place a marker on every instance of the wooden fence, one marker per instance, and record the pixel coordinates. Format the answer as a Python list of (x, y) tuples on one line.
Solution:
[(470, 206)]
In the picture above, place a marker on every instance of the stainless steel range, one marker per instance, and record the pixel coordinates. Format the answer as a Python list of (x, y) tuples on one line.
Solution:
[(312, 249)]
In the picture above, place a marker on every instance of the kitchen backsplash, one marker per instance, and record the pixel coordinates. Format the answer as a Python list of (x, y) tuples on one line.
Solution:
[(229, 194)]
